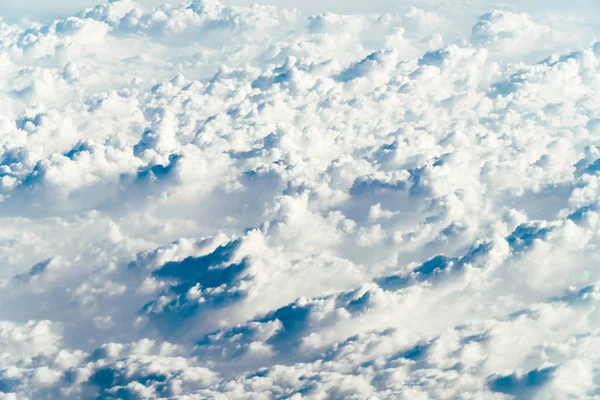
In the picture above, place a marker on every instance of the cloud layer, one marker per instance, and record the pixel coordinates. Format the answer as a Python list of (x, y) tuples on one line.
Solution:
[(204, 201)]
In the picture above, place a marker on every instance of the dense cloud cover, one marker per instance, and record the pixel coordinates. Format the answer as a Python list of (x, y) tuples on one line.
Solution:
[(203, 201)]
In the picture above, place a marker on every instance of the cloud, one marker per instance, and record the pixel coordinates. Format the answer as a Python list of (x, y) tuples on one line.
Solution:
[(207, 201)]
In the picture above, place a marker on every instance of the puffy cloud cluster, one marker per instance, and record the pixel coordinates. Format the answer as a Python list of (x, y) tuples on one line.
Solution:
[(204, 201)]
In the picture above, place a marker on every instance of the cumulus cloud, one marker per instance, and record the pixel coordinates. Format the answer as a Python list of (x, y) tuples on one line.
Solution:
[(206, 201)]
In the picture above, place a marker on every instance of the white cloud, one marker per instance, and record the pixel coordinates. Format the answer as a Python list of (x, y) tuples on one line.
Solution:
[(206, 201)]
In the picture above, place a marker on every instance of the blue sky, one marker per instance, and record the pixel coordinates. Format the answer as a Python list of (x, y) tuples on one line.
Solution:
[(36, 9)]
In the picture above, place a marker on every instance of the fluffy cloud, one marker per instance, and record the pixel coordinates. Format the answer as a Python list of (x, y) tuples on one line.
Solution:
[(204, 201)]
